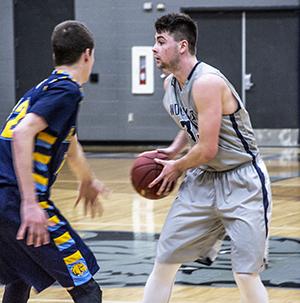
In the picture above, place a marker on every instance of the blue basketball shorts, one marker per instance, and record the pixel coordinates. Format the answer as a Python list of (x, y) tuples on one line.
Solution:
[(66, 259)]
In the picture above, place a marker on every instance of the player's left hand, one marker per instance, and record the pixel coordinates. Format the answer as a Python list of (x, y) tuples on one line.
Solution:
[(90, 191), (168, 176)]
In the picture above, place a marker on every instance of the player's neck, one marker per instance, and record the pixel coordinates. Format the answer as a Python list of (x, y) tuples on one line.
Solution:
[(184, 69), (74, 71)]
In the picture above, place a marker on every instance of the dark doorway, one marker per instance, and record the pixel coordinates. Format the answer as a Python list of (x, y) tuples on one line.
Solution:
[(273, 60), (219, 42), (34, 21)]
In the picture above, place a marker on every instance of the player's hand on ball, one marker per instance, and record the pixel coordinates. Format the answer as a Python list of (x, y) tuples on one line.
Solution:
[(168, 176), (89, 191)]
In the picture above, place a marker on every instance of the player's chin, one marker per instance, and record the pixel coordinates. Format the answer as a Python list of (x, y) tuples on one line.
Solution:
[(159, 64)]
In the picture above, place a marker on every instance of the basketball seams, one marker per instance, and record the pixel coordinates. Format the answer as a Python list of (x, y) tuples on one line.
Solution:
[(158, 156), (142, 165), (144, 171), (145, 176)]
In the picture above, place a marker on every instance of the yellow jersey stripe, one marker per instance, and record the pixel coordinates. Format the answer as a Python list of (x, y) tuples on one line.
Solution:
[(44, 204), (63, 238), (54, 219), (41, 158), (46, 137), (40, 179), (73, 258)]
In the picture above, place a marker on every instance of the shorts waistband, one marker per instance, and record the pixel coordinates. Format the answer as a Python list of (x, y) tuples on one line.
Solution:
[(213, 171)]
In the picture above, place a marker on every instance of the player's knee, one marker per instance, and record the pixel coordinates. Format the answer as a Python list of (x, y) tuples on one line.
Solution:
[(16, 292), (89, 292), (164, 271), (245, 278)]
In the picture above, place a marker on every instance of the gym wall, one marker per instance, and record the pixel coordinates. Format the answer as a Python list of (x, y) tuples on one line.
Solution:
[(110, 112)]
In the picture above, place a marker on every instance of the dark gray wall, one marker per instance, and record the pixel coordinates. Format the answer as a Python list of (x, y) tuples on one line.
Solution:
[(118, 25), (7, 66)]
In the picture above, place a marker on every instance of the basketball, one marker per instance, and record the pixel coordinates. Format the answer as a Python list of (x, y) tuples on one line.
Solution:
[(144, 170)]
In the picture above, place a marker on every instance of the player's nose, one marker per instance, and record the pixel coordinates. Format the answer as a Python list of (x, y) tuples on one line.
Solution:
[(154, 50)]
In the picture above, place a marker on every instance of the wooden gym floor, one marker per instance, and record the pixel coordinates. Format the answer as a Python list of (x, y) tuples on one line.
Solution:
[(123, 213)]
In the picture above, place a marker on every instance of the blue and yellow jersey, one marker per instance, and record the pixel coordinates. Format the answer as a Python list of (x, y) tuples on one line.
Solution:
[(56, 99)]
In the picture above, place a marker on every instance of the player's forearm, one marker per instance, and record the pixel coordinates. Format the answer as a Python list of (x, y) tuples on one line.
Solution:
[(198, 155), (79, 165), (180, 141), (22, 147)]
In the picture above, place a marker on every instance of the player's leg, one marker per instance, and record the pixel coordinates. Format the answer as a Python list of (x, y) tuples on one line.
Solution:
[(245, 210), (66, 259), (16, 292), (160, 283), (89, 292), (190, 232), (251, 288)]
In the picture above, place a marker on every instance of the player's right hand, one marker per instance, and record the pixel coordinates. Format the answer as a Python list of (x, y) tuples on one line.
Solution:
[(34, 225), (168, 176)]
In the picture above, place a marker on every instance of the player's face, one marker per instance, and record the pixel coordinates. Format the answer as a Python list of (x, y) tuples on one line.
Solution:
[(166, 51)]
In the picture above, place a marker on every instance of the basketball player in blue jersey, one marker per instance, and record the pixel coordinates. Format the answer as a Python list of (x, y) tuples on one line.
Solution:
[(38, 246), (226, 188)]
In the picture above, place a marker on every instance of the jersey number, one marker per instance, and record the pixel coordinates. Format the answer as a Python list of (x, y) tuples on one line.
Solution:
[(17, 114)]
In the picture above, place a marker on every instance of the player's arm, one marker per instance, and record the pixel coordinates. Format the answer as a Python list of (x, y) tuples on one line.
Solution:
[(178, 144), (34, 220), (207, 93), (90, 187)]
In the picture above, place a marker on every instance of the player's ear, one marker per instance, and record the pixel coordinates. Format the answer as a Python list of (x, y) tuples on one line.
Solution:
[(87, 54), (183, 46)]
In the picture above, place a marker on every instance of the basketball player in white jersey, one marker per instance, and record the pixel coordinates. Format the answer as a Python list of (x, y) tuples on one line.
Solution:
[(226, 186)]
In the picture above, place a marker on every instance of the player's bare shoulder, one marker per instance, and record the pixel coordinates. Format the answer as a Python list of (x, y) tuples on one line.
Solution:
[(213, 88), (208, 89), (208, 83)]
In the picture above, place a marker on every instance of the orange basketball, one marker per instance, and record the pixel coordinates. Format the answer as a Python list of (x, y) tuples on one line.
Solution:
[(144, 170)]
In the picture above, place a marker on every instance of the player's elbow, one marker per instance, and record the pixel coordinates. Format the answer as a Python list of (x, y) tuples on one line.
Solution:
[(18, 134), (21, 132), (209, 152), (74, 154), (22, 137), (71, 157)]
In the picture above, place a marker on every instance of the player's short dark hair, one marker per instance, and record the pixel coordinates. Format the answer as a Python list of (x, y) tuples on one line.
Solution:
[(69, 40), (180, 26)]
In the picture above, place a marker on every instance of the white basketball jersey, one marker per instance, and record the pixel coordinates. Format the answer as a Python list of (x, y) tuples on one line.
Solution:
[(237, 143)]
